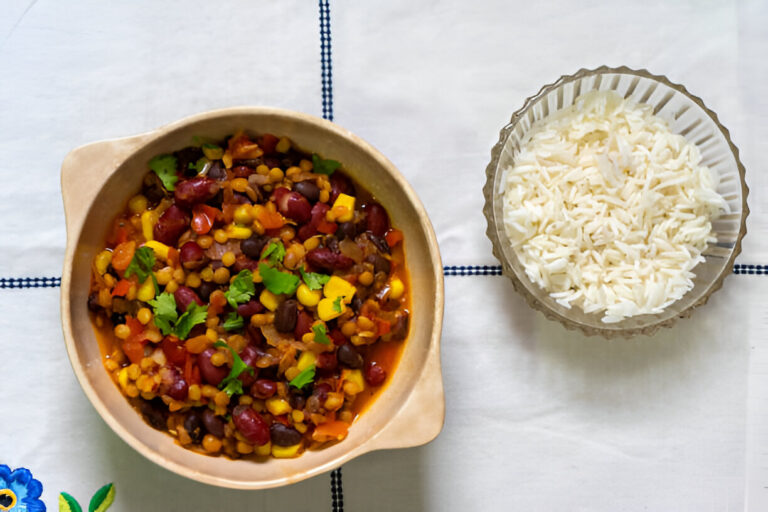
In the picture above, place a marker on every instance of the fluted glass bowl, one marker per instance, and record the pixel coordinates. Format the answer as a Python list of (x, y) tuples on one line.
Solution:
[(688, 116)]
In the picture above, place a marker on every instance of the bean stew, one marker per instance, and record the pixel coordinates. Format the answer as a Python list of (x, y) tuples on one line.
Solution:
[(252, 299)]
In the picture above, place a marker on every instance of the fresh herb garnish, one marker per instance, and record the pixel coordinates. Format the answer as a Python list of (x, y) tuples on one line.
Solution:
[(321, 334), (141, 265), (321, 166), (165, 168), (233, 322), (278, 282), (231, 384), (314, 281), (241, 289), (200, 165), (167, 319), (275, 252), (337, 304), (306, 376)]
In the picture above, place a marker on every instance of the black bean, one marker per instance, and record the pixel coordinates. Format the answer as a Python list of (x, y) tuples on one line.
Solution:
[(248, 162), (286, 315), (332, 243), (93, 302), (152, 188), (349, 357), (194, 426), (217, 171), (253, 246), (186, 156), (296, 398), (213, 423), (347, 230), (380, 263), (154, 412), (206, 289), (308, 190), (379, 242), (357, 303), (117, 318), (283, 435), (217, 200)]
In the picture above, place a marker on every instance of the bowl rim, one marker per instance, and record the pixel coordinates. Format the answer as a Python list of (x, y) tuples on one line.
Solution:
[(427, 384), (517, 282)]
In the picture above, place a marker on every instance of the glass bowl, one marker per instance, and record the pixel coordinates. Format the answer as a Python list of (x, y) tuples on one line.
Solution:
[(688, 116)]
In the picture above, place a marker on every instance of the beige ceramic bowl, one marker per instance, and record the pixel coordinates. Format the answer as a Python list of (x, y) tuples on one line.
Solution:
[(97, 180)]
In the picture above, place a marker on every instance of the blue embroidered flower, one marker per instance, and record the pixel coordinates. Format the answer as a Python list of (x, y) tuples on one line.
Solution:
[(19, 492)]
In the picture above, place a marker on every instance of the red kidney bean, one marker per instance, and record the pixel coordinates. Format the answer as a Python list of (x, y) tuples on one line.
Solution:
[(172, 223), (308, 190), (250, 308), (194, 426), (340, 184), (337, 337), (374, 374), (242, 171), (303, 324), (178, 389), (250, 354), (210, 373), (185, 296), (285, 316), (263, 388), (296, 207), (326, 259), (251, 425), (377, 220), (283, 435), (174, 351), (327, 361), (213, 423), (318, 213), (306, 231), (196, 190), (191, 255), (349, 357)]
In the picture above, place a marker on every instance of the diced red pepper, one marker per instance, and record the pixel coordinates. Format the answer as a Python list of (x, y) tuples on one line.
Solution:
[(382, 326), (122, 255), (203, 218), (268, 143), (393, 237), (121, 288)]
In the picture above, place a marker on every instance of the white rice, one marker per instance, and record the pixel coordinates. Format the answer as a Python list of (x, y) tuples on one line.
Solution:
[(607, 209)]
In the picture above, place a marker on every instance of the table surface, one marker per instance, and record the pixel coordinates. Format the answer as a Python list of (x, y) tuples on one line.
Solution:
[(538, 418)]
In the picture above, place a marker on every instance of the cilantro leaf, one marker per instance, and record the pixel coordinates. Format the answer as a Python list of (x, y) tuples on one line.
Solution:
[(165, 314), (200, 166), (337, 304), (321, 334), (275, 251), (141, 265), (306, 376), (194, 315), (321, 166), (233, 322), (165, 168), (278, 282), (231, 384), (241, 289), (314, 281)]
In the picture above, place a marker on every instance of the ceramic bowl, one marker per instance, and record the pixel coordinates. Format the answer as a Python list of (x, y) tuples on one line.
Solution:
[(97, 180), (687, 115)]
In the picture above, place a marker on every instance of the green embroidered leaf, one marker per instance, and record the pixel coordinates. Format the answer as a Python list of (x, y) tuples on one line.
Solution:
[(68, 504), (165, 168), (103, 499)]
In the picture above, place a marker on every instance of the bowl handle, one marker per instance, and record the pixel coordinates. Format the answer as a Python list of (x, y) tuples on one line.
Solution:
[(86, 168), (421, 418)]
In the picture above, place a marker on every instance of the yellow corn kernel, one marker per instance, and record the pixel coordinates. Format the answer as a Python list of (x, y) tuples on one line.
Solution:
[(102, 262), (366, 278), (244, 400), (349, 329), (220, 236), (146, 291), (144, 314), (133, 371), (209, 391), (131, 295), (285, 452), (344, 204), (292, 171), (264, 450), (212, 152), (221, 275), (197, 344), (193, 280), (194, 392), (297, 416), (306, 359), (227, 159), (244, 448), (291, 373), (146, 364), (260, 320), (204, 241), (275, 174), (305, 165), (212, 335), (277, 406), (211, 443), (111, 365), (206, 274), (164, 275), (324, 196), (137, 204), (243, 214), (300, 427), (268, 299), (396, 288), (308, 337), (365, 323), (131, 390), (338, 287), (308, 297), (237, 232), (218, 359), (228, 258), (334, 401), (283, 145), (109, 280), (221, 399), (122, 331), (179, 275), (257, 276), (239, 184), (262, 169), (171, 287), (153, 335), (122, 378), (327, 311), (355, 377), (311, 243), (148, 221), (213, 321)]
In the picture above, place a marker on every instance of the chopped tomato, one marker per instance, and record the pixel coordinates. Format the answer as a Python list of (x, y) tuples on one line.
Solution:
[(270, 220), (134, 350), (393, 237), (188, 367), (173, 257), (330, 431), (228, 210), (268, 143), (121, 288), (122, 255), (173, 350), (241, 147), (327, 227), (203, 217), (382, 326)]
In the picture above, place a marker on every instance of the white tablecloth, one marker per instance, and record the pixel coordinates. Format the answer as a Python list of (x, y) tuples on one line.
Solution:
[(538, 418)]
